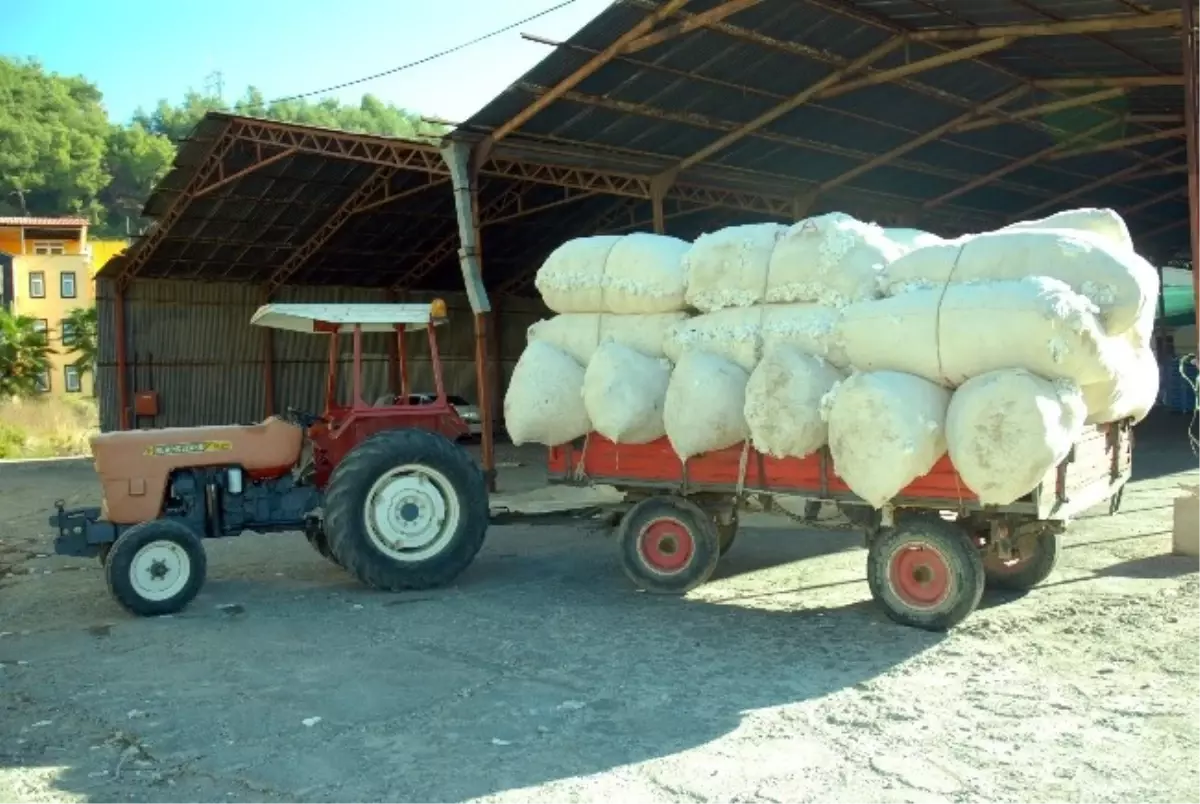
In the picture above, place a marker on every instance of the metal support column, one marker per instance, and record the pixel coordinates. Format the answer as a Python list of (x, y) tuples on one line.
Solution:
[(122, 357), (464, 172), (1191, 104), (268, 346)]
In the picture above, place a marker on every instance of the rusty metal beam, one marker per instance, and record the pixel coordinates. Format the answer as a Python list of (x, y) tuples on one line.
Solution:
[(365, 193), (1126, 81), (1165, 227), (1089, 25), (1125, 142), (774, 113), (1190, 41), (524, 211), (1155, 118), (211, 165), (1157, 199), (934, 133), (921, 65), (1132, 173), (716, 14), (1047, 108), (593, 64), (232, 177), (1016, 165)]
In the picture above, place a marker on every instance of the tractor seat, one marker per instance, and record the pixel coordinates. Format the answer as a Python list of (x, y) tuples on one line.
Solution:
[(270, 444)]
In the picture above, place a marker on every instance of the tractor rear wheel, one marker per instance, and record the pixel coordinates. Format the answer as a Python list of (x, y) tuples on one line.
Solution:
[(406, 509), (156, 568)]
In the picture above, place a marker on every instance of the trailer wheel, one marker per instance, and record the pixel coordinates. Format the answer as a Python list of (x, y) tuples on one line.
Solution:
[(156, 568), (1026, 571), (669, 545), (926, 573), (406, 509)]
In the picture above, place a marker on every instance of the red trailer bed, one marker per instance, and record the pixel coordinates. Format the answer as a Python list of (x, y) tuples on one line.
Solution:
[(931, 550)]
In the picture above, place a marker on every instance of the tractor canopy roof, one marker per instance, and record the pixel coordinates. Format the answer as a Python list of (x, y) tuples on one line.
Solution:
[(330, 318)]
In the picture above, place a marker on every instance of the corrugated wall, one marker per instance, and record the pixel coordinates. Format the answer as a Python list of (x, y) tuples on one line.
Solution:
[(193, 344)]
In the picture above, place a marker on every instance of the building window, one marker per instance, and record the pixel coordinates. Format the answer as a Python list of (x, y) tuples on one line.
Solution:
[(71, 380), (43, 382), (37, 284), (66, 284), (68, 333), (47, 248), (41, 325)]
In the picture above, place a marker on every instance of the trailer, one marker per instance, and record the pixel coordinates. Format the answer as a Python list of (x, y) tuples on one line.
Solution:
[(930, 552)]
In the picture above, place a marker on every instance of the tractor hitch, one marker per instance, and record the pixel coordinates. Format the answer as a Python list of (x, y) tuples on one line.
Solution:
[(81, 531)]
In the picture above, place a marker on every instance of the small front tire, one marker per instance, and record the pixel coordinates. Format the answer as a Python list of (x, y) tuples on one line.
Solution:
[(926, 573), (156, 568)]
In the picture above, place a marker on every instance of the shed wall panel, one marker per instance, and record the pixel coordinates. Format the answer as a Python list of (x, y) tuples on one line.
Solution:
[(193, 344)]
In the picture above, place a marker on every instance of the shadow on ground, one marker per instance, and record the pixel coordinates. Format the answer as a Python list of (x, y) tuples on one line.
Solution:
[(538, 667)]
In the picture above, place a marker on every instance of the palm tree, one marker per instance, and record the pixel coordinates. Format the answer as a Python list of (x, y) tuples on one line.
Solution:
[(24, 355), (82, 322)]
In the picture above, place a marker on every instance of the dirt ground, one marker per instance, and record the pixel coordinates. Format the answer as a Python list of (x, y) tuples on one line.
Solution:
[(542, 676)]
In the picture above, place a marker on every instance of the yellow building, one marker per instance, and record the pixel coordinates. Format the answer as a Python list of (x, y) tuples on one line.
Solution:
[(46, 267)]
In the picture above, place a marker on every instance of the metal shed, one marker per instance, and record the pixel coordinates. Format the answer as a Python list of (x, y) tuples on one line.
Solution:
[(676, 116)]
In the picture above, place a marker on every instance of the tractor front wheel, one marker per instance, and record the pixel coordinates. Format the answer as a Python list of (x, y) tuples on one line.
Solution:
[(406, 509), (156, 568)]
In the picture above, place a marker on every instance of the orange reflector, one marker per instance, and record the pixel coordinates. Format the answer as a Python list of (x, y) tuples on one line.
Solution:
[(437, 308)]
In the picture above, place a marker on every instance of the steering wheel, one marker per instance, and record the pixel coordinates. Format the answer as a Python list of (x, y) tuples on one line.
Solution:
[(300, 418)]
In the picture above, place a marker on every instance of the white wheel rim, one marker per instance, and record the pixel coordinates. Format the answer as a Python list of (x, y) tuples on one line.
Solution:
[(160, 570), (411, 513)]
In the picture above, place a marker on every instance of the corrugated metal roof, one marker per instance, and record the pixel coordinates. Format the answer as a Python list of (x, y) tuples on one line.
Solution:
[(639, 115), (676, 97)]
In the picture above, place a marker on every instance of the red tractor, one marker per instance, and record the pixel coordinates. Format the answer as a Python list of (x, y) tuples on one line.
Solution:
[(382, 490)]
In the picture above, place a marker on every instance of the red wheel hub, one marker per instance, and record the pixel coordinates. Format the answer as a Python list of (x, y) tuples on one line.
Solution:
[(666, 545), (919, 575)]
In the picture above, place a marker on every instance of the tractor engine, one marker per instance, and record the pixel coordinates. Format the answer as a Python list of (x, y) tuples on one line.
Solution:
[(224, 501)]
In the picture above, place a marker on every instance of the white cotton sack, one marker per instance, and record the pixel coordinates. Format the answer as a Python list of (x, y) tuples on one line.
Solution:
[(728, 267), (743, 334), (624, 392), (1006, 429), (1129, 394), (950, 334), (580, 334), (1118, 281), (624, 274), (907, 240), (832, 259), (703, 409), (783, 402), (544, 402), (1103, 223), (886, 429)]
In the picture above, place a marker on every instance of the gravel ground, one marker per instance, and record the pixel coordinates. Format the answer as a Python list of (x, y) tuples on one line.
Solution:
[(542, 676)]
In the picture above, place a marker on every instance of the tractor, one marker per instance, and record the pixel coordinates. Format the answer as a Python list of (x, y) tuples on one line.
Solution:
[(381, 490)]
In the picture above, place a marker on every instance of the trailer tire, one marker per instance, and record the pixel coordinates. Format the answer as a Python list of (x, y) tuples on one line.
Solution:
[(406, 509), (1028, 571), (669, 545), (926, 573), (320, 542), (156, 568)]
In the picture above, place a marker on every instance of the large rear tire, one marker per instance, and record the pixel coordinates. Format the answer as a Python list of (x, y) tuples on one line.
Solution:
[(926, 573), (156, 568), (406, 509)]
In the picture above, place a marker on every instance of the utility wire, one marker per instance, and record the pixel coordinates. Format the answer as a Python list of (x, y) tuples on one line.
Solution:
[(420, 61)]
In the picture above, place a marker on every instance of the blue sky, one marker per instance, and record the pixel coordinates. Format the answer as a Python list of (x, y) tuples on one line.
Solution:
[(138, 51)]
